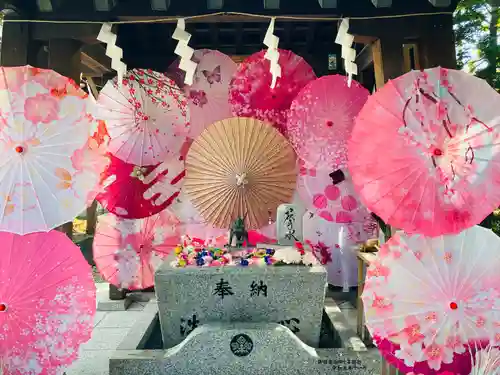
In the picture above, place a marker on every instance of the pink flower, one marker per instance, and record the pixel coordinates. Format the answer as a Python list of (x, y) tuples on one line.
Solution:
[(378, 270), (412, 331), (437, 354), (381, 304), (41, 108)]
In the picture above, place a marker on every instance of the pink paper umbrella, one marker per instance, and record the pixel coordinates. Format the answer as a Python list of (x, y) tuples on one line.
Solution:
[(123, 188), (127, 252), (336, 203), (460, 365), (208, 97), (250, 92), (321, 119), (435, 297), (147, 118), (425, 152), (47, 303)]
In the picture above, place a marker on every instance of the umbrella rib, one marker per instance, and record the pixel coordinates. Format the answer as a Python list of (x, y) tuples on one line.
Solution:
[(11, 187), (32, 292)]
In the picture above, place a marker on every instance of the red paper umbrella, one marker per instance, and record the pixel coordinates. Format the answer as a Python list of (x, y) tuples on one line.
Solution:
[(123, 187), (250, 92), (425, 152), (321, 119)]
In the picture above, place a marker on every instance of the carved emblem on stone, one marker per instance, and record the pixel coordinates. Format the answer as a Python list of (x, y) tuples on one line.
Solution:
[(241, 345)]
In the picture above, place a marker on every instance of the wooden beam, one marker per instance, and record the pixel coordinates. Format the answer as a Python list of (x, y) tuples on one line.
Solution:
[(365, 58), (95, 54), (44, 5), (440, 3), (271, 4), (161, 5), (436, 46), (382, 3), (327, 4), (215, 4), (82, 32), (388, 60), (104, 5)]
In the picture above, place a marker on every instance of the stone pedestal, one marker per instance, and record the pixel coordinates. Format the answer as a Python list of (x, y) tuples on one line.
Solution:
[(292, 296)]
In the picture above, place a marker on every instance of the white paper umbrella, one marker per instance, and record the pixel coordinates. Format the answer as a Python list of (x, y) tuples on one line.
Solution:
[(435, 296), (49, 165), (147, 118)]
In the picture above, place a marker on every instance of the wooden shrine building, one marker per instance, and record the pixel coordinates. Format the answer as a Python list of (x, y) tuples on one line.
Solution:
[(391, 36)]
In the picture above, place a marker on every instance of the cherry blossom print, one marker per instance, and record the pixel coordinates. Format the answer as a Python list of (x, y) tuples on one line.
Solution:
[(443, 155), (332, 246), (147, 117), (41, 329), (250, 92), (412, 359), (321, 120), (335, 203), (52, 165), (208, 96), (41, 108), (124, 194), (128, 252), (439, 307)]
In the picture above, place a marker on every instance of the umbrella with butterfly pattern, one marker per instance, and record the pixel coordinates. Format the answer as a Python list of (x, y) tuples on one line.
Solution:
[(208, 96)]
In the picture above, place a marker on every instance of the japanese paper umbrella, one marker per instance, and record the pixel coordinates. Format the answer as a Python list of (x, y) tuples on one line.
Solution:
[(50, 166), (440, 167), (250, 92), (462, 362), (147, 118), (335, 201), (333, 246), (435, 297), (123, 187), (208, 96), (47, 303), (194, 226), (321, 119), (239, 167), (127, 252)]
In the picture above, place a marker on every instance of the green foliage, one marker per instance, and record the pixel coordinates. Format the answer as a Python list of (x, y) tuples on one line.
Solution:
[(477, 26)]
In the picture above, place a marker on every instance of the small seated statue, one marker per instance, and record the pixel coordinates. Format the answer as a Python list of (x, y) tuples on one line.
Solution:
[(239, 232)]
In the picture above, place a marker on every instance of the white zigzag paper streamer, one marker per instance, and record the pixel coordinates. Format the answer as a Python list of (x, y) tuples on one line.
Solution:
[(348, 53), (272, 54), (184, 51), (115, 53)]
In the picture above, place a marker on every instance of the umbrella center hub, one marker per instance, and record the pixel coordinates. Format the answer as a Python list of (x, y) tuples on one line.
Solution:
[(3, 307), (329, 123), (241, 179), (438, 152), (19, 149), (453, 305)]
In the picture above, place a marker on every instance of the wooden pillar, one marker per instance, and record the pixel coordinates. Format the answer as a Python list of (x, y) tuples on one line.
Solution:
[(15, 39), (437, 45), (388, 60), (64, 58)]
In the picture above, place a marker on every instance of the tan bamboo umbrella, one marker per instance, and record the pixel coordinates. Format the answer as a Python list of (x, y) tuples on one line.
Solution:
[(240, 167)]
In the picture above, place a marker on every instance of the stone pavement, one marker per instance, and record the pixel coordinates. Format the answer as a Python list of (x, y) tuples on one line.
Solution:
[(111, 327)]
